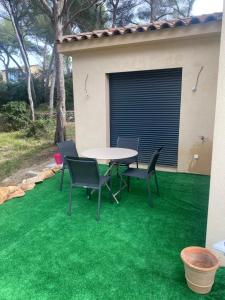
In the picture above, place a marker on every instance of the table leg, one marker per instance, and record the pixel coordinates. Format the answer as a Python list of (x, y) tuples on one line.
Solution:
[(108, 171), (109, 187), (123, 185), (113, 195)]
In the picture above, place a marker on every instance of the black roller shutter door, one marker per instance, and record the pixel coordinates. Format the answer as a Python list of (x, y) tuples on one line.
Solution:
[(146, 104)]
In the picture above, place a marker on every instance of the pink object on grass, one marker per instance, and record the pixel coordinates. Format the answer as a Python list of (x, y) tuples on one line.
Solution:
[(58, 158)]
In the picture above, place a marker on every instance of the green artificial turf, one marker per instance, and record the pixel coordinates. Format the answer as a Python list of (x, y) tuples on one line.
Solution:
[(132, 253)]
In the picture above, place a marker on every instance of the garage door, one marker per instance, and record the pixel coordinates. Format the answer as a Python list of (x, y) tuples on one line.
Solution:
[(146, 104)]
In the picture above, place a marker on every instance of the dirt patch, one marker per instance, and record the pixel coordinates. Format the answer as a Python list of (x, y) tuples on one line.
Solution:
[(31, 167)]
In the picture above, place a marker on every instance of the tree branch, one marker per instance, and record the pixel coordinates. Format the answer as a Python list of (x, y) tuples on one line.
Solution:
[(91, 3), (46, 8), (12, 58)]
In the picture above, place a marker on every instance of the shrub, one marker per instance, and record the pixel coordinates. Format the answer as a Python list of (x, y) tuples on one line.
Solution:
[(69, 92), (39, 128), (15, 115)]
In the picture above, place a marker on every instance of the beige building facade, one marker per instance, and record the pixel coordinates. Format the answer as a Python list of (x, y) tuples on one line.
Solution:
[(216, 210), (194, 48)]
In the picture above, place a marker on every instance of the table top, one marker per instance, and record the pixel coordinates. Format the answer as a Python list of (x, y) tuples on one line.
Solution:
[(109, 153)]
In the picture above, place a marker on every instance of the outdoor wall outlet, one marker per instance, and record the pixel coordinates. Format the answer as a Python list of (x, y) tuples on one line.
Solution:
[(196, 156)]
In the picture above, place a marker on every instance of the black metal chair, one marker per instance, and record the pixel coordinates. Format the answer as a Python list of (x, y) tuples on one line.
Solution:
[(84, 172), (145, 174), (67, 148), (129, 143)]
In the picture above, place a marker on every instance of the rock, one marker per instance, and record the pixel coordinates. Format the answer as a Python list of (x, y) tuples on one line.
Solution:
[(32, 180), (13, 188), (4, 192), (46, 174), (10, 192), (27, 186), (31, 174), (56, 168), (16, 194)]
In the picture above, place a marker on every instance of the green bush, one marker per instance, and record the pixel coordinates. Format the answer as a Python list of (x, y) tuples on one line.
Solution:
[(13, 91), (15, 115), (39, 128), (17, 91), (69, 92)]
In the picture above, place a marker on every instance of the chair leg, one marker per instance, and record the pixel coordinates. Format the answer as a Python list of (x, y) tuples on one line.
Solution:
[(88, 193), (70, 202), (110, 186), (149, 193), (62, 177), (99, 203), (157, 185), (121, 182)]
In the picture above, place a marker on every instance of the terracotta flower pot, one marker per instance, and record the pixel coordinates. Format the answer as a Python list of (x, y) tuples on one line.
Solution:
[(200, 268)]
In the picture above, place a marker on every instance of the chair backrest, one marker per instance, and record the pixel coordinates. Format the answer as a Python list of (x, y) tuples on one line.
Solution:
[(67, 148), (128, 142), (83, 171), (153, 160)]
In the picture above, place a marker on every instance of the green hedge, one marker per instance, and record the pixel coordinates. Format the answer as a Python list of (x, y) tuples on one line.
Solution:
[(18, 92)]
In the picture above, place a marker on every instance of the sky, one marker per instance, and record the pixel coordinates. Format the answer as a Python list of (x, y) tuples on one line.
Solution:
[(207, 6), (200, 7)]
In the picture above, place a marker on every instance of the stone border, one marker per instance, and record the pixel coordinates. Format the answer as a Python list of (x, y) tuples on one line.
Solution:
[(10, 192)]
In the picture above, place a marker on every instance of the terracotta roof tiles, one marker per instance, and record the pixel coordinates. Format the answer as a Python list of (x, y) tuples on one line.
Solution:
[(164, 24)]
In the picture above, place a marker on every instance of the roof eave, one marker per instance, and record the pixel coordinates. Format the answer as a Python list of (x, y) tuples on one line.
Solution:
[(192, 31)]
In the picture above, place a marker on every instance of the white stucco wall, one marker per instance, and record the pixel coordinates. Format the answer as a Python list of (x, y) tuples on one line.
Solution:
[(216, 212), (91, 92)]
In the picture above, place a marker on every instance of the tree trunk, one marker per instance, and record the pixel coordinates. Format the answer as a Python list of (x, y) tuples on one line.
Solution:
[(114, 16), (60, 134), (7, 70), (152, 11), (13, 59), (6, 66), (60, 106), (52, 93), (48, 75), (24, 57)]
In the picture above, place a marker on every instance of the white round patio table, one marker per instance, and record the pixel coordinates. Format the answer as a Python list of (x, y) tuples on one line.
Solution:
[(111, 153)]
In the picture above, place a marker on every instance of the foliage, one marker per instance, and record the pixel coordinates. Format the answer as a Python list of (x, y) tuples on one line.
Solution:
[(8, 44), (15, 115), (3, 93), (69, 92), (121, 12), (17, 92), (39, 128), (153, 10), (95, 17), (12, 92)]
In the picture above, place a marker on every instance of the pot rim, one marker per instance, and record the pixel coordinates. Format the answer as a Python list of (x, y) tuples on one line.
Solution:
[(204, 250)]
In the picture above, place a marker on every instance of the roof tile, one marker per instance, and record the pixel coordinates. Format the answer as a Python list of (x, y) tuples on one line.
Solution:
[(164, 24)]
